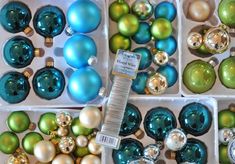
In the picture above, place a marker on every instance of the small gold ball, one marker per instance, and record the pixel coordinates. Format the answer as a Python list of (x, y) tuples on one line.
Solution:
[(94, 148), (160, 58), (62, 132), (18, 158), (63, 119), (66, 145), (157, 84)]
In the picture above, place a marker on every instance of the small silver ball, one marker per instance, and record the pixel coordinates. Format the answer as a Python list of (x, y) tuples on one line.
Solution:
[(62, 132), (151, 152), (194, 40), (225, 135), (63, 119), (81, 141), (67, 145), (160, 58), (157, 84), (175, 140)]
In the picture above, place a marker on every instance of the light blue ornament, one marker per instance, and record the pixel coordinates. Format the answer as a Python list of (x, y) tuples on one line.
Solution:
[(83, 16), (139, 84), (146, 57), (168, 45), (78, 50), (143, 34), (170, 73), (84, 85), (165, 10)]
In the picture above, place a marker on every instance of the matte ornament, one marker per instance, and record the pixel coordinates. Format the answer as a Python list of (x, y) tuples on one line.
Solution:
[(194, 40), (168, 45), (225, 135), (78, 129), (175, 140), (226, 119), (128, 25), (223, 154), (146, 57), (158, 122), (44, 151), (142, 9), (195, 119), (30, 140), (156, 84), (129, 150), (18, 121), (143, 35), (84, 85), (14, 87), (90, 159), (165, 10), (139, 83), (226, 12), (161, 28), (47, 123), (81, 151), (199, 10), (118, 41), (63, 158), (9, 142), (18, 158), (160, 58), (117, 9), (170, 73)]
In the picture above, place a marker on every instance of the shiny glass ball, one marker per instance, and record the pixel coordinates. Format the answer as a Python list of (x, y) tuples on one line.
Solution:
[(160, 58), (77, 128), (142, 9), (84, 16), (158, 122), (30, 140), (47, 123), (225, 135), (18, 121), (165, 10), (170, 73), (15, 16), (223, 154), (168, 45), (226, 119), (63, 119), (226, 12), (9, 142), (66, 145), (195, 119), (139, 83), (194, 40), (118, 41), (117, 9), (129, 150), (143, 35), (14, 87), (161, 28), (176, 139), (44, 151), (156, 84), (128, 25), (48, 83), (84, 85), (152, 152), (146, 57)]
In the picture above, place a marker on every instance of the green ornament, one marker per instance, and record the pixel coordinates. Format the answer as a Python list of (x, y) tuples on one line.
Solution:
[(77, 129), (203, 50), (81, 152), (226, 119), (117, 9), (18, 121), (128, 25), (226, 12), (47, 123), (161, 28), (118, 41), (223, 154), (30, 140), (9, 142)]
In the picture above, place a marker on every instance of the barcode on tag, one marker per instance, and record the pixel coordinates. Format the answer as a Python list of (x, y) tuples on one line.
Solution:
[(109, 141)]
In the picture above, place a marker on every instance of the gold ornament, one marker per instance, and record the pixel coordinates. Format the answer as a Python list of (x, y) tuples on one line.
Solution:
[(94, 148), (18, 158), (67, 145), (194, 40), (81, 141), (199, 10), (63, 159), (156, 84), (90, 159), (160, 57), (63, 119), (62, 132)]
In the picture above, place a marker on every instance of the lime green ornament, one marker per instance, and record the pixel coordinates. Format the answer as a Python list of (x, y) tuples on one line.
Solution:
[(128, 25), (161, 28), (9, 142), (30, 140), (223, 154), (226, 119), (18, 121), (203, 50), (78, 129), (226, 12), (47, 123), (81, 152), (118, 41), (117, 9)]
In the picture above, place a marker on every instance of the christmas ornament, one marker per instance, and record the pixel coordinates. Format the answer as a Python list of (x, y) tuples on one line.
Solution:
[(161, 28), (63, 119), (199, 76), (160, 57), (18, 158), (165, 10), (225, 135), (195, 151), (226, 119), (63, 158), (231, 150), (128, 25), (203, 50), (226, 12), (81, 151), (80, 51), (90, 159), (118, 41), (44, 151), (168, 45), (19, 52), (143, 35), (129, 150), (223, 154), (47, 123), (77, 128), (14, 86), (81, 141), (194, 40), (176, 139), (84, 85), (15, 17), (49, 21), (170, 73), (30, 140), (94, 148), (139, 83), (117, 9), (83, 16), (18, 121), (142, 9), (66, 145), (62, 132), (199, 10), (151, 152), (156, 84), (9, 142), (158, 122), (146, 57)]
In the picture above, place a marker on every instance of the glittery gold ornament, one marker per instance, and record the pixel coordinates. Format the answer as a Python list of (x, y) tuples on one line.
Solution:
[(157, 84), (63, 119), (67, 145), (160, 57), (194, 40), (18, 158)]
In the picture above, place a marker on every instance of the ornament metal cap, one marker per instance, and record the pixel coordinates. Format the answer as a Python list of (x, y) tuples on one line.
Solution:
[(232, 107), (32, 126), (213, 61), (139, 134), (50, 62), (28, 72), (102, 92), (69, 31), (48, 42), (39, 52), (92, 60), (28, 31), (169, 154)]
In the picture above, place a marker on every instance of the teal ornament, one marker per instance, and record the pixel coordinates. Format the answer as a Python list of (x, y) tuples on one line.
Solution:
[(14, 87), (195, 119), (170, 73), (78, 50), (139, 83), (129, 150), (83, 16), (15, 16), (143, 35), (165, 10), (195, 151), (146, 57), (158, 122), (168, 45), (84, 85), (131, 120)]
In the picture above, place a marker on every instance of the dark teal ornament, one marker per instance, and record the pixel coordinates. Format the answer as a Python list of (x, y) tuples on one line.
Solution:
[(129, 150), (195, 151), (170, 73), (146, 57), (131, 120), (158, 122), (195, 119), (143, 35), (14, 87), (139, 83)]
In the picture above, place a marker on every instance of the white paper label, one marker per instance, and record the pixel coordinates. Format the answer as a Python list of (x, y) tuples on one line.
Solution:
[(107, 140)]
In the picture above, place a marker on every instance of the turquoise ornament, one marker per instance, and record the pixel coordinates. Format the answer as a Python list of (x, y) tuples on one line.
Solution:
[(78, 50), (195, 151), (139, 83), (158, 122), (146, 57), (165, 10), (83, 16), (170, 73), (129, 150), (168, 45), (131, 120), (14, 87), (143, 35), (195, 119), (84, 85)]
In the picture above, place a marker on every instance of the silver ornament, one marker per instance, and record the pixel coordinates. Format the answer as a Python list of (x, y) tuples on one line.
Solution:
[(142, 9), (231, 150), (175, 140), (160, 58), (67, 145), (62, 132), (194, 40), (63, 119), (225, 135), (156, 84), (81, 141), (151, 152)]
